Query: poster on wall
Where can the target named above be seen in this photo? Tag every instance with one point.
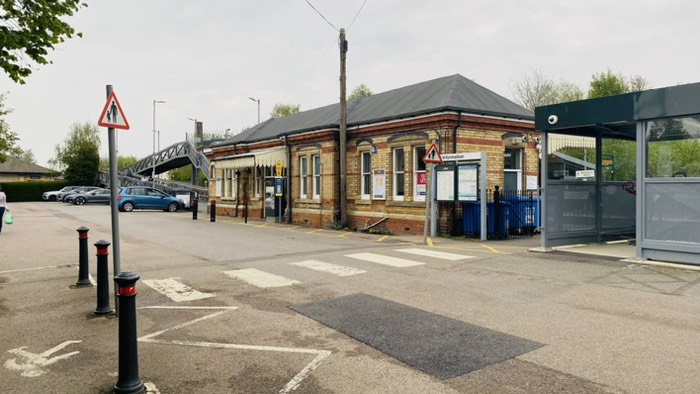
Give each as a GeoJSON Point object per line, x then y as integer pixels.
{"type": "Point", "coordinates": [379, 184]}
{"type": "Point", "coordinates": [421, 183]}
{"type": "Point", "coordinates": [445, 182]}
{"type": "Point", "coordinates": [467, 182]}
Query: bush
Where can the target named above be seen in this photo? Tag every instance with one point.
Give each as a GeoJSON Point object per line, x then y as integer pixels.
{"type": "Point", "coordinates": [29, 191]}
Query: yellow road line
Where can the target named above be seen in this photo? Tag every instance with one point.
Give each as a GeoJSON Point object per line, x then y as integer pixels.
{"type": "Point", "coordinates": [314, 231]}
{"type": "Point", "coordinates": [344, 235]}
{"type": "Point", "coordinates": [430, 241]}
{"type": "Point", "coordinates": [382, 238]}
{"type": "Point", "coordinates": [491, 249]}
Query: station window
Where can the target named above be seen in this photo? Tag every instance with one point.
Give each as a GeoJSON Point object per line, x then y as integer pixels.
{"type": "Point", "coordinates": [303, 176]}
{"type": "Point", "coordinates": [366, 176]}
{"type": "Point", "coordinates": [316, 163]}
{"type": "Point", "coordinates": [419, 174]}
{"type": "Point", "coordinates": [399, 189]}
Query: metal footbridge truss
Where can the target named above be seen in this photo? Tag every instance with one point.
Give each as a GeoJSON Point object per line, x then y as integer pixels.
{"type": "Point", "coordinates": [175, 156]}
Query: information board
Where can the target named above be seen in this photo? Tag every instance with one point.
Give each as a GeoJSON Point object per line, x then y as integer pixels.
{"type": "Point", "coordinates": [379, 184]}
{"type": "Point", "coordinates": [467, 182]}
{"type": "Point", "coordinates": [445, 182]}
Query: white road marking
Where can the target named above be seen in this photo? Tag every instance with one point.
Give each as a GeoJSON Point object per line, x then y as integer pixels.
{"type": "Point", "coordinates": [386, 260]}
{"type": "Point", "coordinates": [176, 290]}
{"type": "Point", "coordinates": [289, 387]}
{"type": "Point", "coordinates": [259, 278]}
{"type": "Point", "coordinates": [334, 269]}
{"type": "Point", "coordinates": [436, 254]}
{"type": "Point", "coordinates": [32, 364]}
{"type": "Point", "coordinates": [34, 268]}
{"type": "Point", "coordinates": [151, 388]}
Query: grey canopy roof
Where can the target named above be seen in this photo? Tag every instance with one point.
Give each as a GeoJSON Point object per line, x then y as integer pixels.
{"type": "Point", "coordinates": [451, 93]}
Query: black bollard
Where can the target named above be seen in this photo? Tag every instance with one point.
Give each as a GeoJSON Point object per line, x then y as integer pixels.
{"type": "Point", "coordinates": [128, 381]}
{"type": "Point", "coordinates": [103, 306]}
{"type": "Point", "coordinates": [195, 208]}
{"type": "Point", "coordinates": [213, 211]}
{"type": "Point", "coordinates": [83, 270]}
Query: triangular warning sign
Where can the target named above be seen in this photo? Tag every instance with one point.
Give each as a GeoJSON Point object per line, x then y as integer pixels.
{"type": "Point", "coordinates": [432, 155]}
{"type": "Point", "coordinates": [112, 114]}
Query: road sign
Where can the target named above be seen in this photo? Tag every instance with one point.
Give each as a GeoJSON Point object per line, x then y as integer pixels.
{"type": "Point", "coordinates": [432, 155]}
{"type": "Point", "coordinates": [112, 114]}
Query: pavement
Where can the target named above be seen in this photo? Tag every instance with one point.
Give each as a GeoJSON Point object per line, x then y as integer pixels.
{"type": "Point", "coordinates": [601, 324]}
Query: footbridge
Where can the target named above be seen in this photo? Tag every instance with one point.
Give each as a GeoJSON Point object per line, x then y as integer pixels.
{"type": "Point", "coordinates": [174, 156]}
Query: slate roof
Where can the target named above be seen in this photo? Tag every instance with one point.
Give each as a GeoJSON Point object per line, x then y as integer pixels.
{"type": "Point", "coordinates": [14, 165]}
{"type": "Point", "coordinates": [451, 93]}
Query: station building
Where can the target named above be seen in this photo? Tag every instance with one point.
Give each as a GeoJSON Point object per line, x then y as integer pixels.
{"type": "Point", "coordinates": [289, 169]}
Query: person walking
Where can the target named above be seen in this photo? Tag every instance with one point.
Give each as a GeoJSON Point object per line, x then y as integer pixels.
{"type": "Point", "coordinates": [3, 207]}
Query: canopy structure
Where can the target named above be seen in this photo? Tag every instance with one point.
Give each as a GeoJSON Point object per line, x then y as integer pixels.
{"type": "Point", "coordinates": [624, 167]}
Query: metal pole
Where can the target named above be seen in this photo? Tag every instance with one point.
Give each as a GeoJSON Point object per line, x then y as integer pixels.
{"type": "Point", "coordinates": [129, 381]}
{"type": "Point", "coordinates": [153, 172]}
{"type": "Point", "coordinates": [83, 270]}
{"type": "Point", "coordinates": [113, 186]}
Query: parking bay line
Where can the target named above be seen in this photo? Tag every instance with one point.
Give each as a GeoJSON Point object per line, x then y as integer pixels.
{"type": "Point", "coordinates": [289, 387]}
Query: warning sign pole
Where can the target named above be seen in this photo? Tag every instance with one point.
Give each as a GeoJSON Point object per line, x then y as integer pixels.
{"type": "Point", "coordinates": [113, 186]}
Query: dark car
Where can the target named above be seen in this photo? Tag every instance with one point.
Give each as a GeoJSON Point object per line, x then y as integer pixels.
{"type": "Point", "coordinates": [142, 197]}
{"type": "Point", "coordinates": [82, 189]}
{"type": "Point", "coordinates": [99, 196]}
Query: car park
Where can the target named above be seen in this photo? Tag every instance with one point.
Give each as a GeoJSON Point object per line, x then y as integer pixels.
{"type": "Point", "coordinates": [82, 189]}
{"type": "Point", "coordinates": [53, 195]}
{"type": "Point", "coordinates": [97, 196]}
{"type": "Point", "coordinates": [143, 197]}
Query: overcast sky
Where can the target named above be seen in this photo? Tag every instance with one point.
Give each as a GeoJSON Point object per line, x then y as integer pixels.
{"type": "Point", "coordinates": [206, 58]}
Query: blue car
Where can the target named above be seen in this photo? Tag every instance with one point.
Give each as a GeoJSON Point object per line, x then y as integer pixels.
{"type": "Point", "coordinates": [142, 197]}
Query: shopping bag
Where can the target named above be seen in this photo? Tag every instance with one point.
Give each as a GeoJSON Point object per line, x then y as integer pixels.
{"type": "Point", "coordinates": [8, 218]}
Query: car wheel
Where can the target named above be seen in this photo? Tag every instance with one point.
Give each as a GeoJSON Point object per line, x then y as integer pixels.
{"type": "Point", "coordinates": [52, 198]}
{"type": "Point", "coordinates": [128, 207]}
{"type": "Point", "coordinates": [79, 201]}
{"type": "Point", "coordinates": [172, 207]}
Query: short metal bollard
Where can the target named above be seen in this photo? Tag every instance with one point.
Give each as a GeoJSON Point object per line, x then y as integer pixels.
{"type": "Point", "coordinates": [83, 267]}
{"type": "Point", "coordinates": [195, 208]}
{"type": "Point", "coordinates": [128, 381]}
{"type": "Point", "coordinates": [213, 211]}
{"type": "Point", "coordinates": [103, 306]}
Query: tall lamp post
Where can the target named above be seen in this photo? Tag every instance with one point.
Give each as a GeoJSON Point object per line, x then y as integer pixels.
{"type": "Point", "coordinates": [258, 101]}
{"type": "Point", "coordinates": [153, 172]}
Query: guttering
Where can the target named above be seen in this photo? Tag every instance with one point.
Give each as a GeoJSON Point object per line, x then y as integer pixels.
{"type": "Point", "coordinates": [289, 178]}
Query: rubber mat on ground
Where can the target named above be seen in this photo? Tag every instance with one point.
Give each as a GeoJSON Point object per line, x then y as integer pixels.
{"type": "Point", "coordinates": [431, 343]}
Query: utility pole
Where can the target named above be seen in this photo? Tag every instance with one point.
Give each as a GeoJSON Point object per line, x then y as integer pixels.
{"type": "Point", "coordinates": [343, 132]}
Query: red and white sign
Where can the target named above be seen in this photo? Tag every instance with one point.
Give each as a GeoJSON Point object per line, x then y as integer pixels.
{"type": "Point", "coordinates": [432, 155]}
{"type": "Point", "coordinates": [112, 114]}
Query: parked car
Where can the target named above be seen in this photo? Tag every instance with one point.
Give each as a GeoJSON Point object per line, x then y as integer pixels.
{"type": "Point", "coordinates": [53, 195]}
{"type": "Point", "coordinates": [142, 197]}
{"type": "Point", "coordinates": [82, 189]}
{"type": "Point", "coordinates": [98, 196]}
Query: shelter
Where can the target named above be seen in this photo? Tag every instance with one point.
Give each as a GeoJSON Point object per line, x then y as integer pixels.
{"type": "Point", "coordinates": [624, 167]}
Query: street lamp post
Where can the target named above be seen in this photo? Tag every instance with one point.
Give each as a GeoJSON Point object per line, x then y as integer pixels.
{"type": "Point", "coordinates": [258, 101]}
{"type": "Point", "coordinates": [153, 172]}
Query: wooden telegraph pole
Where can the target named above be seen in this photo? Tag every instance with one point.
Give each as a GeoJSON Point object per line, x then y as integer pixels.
{"type": "Point", "coordinates": [343, 132]}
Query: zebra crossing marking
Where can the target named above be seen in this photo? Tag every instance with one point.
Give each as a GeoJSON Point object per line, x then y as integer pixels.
{"type": "Point", "coordinates": [176, 290]}
{"type": "Point", "coordinates": [385, 260]}
{"type": "Point", "coordinates": [436, 254]}
{"type": "Point", "coordinates": [334, 269]}
{"type": "Point", "coordinates": [259, 278]}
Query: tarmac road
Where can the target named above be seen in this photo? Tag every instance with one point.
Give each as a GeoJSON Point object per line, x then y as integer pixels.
{"type": "Point", "coordinates": [229, 307]}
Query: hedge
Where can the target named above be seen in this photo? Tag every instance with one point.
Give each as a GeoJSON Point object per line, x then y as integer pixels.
{"type": "Point", "coordinates": [29, 191]}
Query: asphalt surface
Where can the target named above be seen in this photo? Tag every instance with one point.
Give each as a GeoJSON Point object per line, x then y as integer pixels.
{"type": "Point", "coordinates": [591, 324]}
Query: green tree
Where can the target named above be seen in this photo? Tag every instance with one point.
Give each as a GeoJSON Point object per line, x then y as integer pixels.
{"type": "Point", "coordinates": [361, 90]}
{"type": "Point", "coordinates": [280, 110]}
{"type": "Point", "coordinates": [29, 29]}
{"type": "Point", "coordinates": [8, 139]}
{"type": "Point", "coordinates": [25, 155]}
{"type": "Point", "coordinates": [79, 157]}
{"type": "Point", "coordinates": [122, 162]}
{"type": "Point", "coordinates": [607, 84]}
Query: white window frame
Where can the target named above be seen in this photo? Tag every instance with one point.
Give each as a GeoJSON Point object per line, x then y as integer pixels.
{"type": "Point", "coordinates": [316, 173]}
{"type": "Point", "coordinates": [365, 176]}
{"type": "Point", "coordinates": [517, 171]}
{"type": "Point", "coordinates": [417, 161]}
{"type": "Point", "coordinates": [398, 172]}
{"type": "Point", "coordinates": [303, 176]}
